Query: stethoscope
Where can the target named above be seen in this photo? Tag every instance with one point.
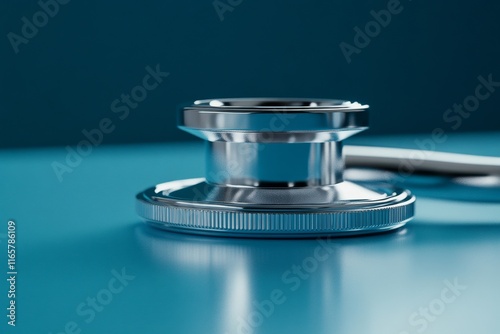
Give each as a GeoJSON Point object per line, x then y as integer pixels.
{"type": "Point", "coordinates": [277, 168]}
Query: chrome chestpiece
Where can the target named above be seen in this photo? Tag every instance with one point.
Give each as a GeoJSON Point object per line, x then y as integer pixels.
{"type": "Point", "coordinates": [274, 168]}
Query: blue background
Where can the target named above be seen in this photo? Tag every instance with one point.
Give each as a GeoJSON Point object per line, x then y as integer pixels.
{"type": "Point", "coordinates": [65, 78]}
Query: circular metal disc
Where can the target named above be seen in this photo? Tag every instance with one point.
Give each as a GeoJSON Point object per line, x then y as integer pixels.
{"type": "Point", "coordinates": [344, 208]}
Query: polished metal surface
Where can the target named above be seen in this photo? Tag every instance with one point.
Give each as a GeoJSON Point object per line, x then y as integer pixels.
{"type": "Point", "coordinates": [274, 164]}
{"type": "Point", "coordinates": [274, 168]}
{"type": "Point", "coordinates": [264, 120]}
{"type": "Point", "coordinates": [265, 212]}
{"type": "Point", "coordinates": [422, 161]}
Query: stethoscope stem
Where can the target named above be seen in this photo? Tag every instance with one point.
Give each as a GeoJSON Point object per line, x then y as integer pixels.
{"type": "Point", "coordinates": [411, 161]}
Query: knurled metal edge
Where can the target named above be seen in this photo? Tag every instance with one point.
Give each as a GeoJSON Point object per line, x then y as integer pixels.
{"type": "Point", "coordinates": [369, 219]}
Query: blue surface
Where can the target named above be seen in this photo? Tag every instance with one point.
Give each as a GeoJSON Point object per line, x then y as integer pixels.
{"type": "Point", "coordinates": [75, 236]}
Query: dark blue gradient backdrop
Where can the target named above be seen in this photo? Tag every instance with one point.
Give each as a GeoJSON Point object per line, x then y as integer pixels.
{"type": "Point", "coordinates": [77, 62]}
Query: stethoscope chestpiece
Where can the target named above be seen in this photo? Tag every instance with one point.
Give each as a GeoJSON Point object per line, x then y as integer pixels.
{"type": "Point", "coordinates": [274, 168]}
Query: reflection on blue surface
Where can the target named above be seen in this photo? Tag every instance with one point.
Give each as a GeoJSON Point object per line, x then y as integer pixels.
{"type": "Point", "coordinates": [343, 285]}
{"type": "Point", "coordinates": [72, 235]}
